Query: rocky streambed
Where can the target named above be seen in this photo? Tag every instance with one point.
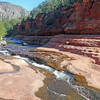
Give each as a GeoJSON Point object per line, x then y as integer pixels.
{"type": "Point", "coordinates": [45, 74]}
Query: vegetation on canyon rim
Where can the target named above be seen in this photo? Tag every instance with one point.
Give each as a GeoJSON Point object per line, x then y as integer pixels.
{"type": "Point", "coordinates": [55, 37]}
{"type": "Point", "coordinates": [51, 5]}
{"type": "Point", "coordinates": [74, 17]}
{"type": "Point", "coordinates": [45, 8]}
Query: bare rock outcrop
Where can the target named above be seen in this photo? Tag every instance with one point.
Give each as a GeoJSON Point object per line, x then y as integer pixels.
{"type": "Point", "coordinates": [9, 11]}
{"type": "Point", "coordinates": [18, 81]}
{"type": "Point", "coordinates": [81, 56]}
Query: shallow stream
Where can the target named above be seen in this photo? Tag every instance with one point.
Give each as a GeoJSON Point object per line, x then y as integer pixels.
{"type": "Point", "coordinates": [64, 81]}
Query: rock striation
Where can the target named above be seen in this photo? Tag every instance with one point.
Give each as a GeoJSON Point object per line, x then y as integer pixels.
{"type": "Point", "coordinates": [80, 57]}
{"type": "Point", "coordinates": [76, 54]}
{"type": "Point", "coordinates": [83, 17]}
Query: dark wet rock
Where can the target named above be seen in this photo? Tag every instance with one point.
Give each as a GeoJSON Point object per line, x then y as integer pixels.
{"type": "Point", "coordinates": [57, 90]}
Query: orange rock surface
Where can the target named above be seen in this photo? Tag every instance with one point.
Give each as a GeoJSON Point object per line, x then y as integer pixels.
{"type": "Point", "coordinates": [78, 54]}
{"type": "Point", "coordinates": [83, 17]}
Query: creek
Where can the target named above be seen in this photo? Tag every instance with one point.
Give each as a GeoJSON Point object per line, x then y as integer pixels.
{"type": "Point", "coordinates": [60, 75]}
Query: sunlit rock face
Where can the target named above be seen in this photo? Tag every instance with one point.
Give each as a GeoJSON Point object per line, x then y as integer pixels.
{"type": "Point", "coordinates": [9, 11]}
{"type": "Point", "coordinates": [85, 18]}
{"type": "Point", "coordinates": [82, 18]}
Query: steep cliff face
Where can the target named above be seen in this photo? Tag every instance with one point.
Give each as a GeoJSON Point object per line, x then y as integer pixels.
{"type": "Point", "coordinates": [83, 17]}
{"type": "Point", "coordinates": [9, 11]}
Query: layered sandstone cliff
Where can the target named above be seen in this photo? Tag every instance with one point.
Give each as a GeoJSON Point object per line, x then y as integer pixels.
{"type": "Point", "coordinates": [83, 17]}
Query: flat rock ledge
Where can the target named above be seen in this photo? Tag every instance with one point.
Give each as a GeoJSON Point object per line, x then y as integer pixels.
{"type": "Point", "coordinates": [18, 81]}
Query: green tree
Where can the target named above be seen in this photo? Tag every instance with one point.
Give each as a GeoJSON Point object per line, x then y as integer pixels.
{"type": "Point", "coordinates": [9, 24]}
{"type": "Point", "coordinates": [6, 25]}
{"type": "Point", "coordinates": [51, 5]}
{"type": "Point", "coordinates": [2, 29]}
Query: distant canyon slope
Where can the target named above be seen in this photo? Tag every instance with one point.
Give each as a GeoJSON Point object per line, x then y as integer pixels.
{"type": "Point", "coordinates": [10, 11]}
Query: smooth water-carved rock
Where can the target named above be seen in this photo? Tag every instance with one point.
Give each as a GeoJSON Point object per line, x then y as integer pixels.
{"type": "Point", "coordinates": [18, 81]}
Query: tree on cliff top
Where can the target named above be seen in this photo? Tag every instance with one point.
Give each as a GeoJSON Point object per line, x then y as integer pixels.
{"type": "Point", "coordinates": [51, 5]}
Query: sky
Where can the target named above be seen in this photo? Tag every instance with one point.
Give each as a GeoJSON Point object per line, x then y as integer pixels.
{"type": "Point", "coordinates": [28, 4]}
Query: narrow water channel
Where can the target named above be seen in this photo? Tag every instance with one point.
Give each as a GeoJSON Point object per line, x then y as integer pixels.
{"type": "Point", "coordinates": [67, 77]}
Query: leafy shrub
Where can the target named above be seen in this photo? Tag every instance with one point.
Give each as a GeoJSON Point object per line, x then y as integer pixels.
{"type": "Point", "coordinates": [51, 5]}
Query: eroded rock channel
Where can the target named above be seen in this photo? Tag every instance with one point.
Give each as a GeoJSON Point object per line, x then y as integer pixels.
{"type": "Point", "coordinates": [44, 74]}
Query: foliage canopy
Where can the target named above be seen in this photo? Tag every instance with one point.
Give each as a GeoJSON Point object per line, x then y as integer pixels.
{"type": "Point", "coordinates": [51, 5]}
{"type": "Point", "coordinates": [6, 25]}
